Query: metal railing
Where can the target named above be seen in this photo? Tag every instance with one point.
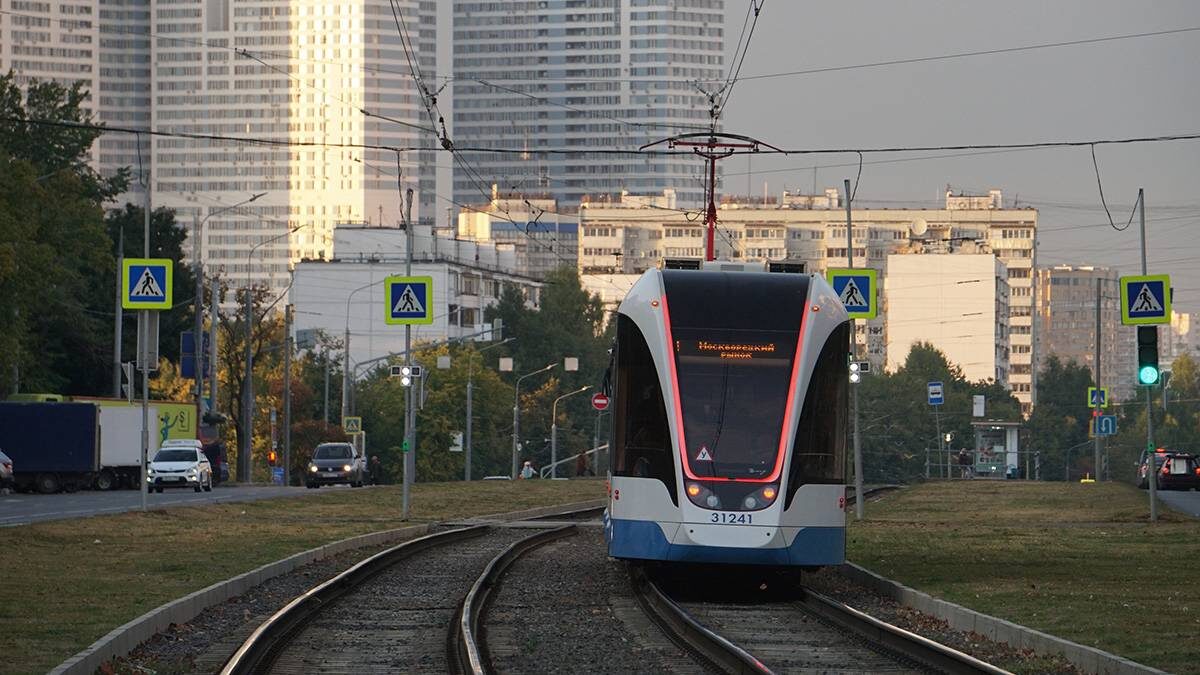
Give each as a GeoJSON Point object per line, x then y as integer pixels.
{"type": "Point", "coordinates": [998, 465]}
{"type": "Point", "coordinates": [546, 470]}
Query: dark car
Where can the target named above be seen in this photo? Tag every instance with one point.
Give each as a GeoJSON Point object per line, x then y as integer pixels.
{"type": "Point", "coordinates": [1174, 470]}
{"type": "Point", "coordinates": [334, 463]}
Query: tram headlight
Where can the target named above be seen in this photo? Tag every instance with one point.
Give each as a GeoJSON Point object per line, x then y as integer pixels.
{"type": "Point", "coordinates": [712, 501]}
{"type": "Point", "coordinates": [693, 489]}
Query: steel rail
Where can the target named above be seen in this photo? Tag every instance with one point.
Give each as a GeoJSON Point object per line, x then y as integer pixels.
{"type": "Point", "coordinates": [719, 652]}
{"type": "Point", "coordinates": [897, 640]}
{"type": "Point", "coordinates": [466, 649]}
{"type": "Point", "coordinates": [260, 649]}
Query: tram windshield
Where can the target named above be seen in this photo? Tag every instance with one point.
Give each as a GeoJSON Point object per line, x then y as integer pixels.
{"type": "Point", "coordinates": [734, 341]}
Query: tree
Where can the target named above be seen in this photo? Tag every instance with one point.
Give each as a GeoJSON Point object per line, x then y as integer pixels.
{"type": "Point", "coordinates": [1058, 426]}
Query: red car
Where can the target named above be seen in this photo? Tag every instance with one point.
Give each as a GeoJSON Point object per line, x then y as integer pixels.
{"type": "Point", "coordinates": [1174, 470]}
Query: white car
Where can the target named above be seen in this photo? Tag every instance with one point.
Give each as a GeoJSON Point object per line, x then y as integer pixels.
{"type": "Point", "coordinates": [179, 466]}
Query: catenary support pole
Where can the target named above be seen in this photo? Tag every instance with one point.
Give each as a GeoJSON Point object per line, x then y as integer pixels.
{"type": "Point", "coordinates": [198, 319]}
{"type": "Point", "coordinates": [145, 342]}
{"type": "Point", "coordinates": [858, 463]}
{"type": "Point", "coordinates": [287, 395]}
{"type": "Point", "coordinates": [119, 317]}
{"type": "Point", "coordinates": [410, 432]}
{"type": "Point", "coordinates": [1151, 474]}
{"type": "Point", "coordinates": [244, 461]}
{"type": "Point", "coordinates": [1096, 357]}
{"type": "Point", "coordinates": [214, 319]}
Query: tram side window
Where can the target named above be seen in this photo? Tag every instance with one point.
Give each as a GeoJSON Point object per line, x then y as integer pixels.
{"type": "Point", "coordinates": [819, 451]}
{"type": "Point", "coordinates": [642, 438]}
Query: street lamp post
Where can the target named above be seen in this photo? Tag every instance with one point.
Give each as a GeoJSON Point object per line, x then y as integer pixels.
{"type": "Point", "coordinates": [517, 415]}
{"type": "Point", "coordinates": [554, 430]}
{"type": "Point", "coordinates": [197, 250]}
{"type": "Point", "coordinates": [346, 375]}
{"type": "Point", "coordinates": [244, 465]}
{"type": "Point", "coordinates": [470, 400]}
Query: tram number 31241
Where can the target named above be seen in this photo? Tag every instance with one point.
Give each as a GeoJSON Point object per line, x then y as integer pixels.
{"type": "Point", "coordinates": [733, 518]}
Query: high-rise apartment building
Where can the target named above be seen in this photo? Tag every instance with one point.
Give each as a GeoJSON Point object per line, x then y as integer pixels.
{"type": "Point", "coordinates": [581, 75]}
{"type": "Point", "coordinates": [1069, 299]}
{"type": "Point", "coordinates": [306, 83]}
{"type": "Point", "coordinates": [632, 234]}
{"type": "Point", "coordinates": [298, 74]}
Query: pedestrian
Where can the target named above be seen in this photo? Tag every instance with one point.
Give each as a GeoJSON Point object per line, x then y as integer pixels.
{"type": "Point", "coordinates": [527, 471]}
{"type": "Point", "coordinates": [376, 470]}
{"type": "Point", "coordinates": [964, 463]}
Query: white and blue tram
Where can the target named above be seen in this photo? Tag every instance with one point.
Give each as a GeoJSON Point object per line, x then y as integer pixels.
{"type": "Point", "coordinates": [729, 411]}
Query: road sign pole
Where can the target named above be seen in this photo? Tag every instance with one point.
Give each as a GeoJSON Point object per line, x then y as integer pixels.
{"type": "Point", "coordinates": [144, 347]}
{"type": "Point", "coordinates": [410, 436]}
{"type": "Point", "coordinates": [120, 317]}
{"type": "Point", "coordinates": [1099, 386]}
{"type": "Point", "coordinates": [287, 396]}
{"type": "Point", "coordinates": [858, 462]}
{"type": "Point", "coordinates": [1151, 478]}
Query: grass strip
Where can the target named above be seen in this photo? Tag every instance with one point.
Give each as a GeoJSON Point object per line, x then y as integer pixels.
{"type": "Point", "coordinates": [1081, 562]}
{"type": "Point", "coordinates": [69, 582]}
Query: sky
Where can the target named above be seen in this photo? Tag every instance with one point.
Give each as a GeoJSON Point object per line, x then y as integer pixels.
{"type": "Point", "coordinates": [1117, 89]}
{"type": "Point", "coordinates": [1108, 90]}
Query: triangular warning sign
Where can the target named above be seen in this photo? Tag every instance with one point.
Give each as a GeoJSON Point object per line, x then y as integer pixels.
{"type": "Point", "coordinates": [146, 286]}
{"type": "Point", "coordinates": [852, 296]}
{"type": "Point", "coordinates": [408, 303]}
{"type": "Point", "coordinates": [1146, 301]}
{"type": "Point", "coordinates": [703, 455]}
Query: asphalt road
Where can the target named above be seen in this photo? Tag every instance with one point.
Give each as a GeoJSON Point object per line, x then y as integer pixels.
{"type": "Point", "coordinates": [23, 508]}
{"type": "Point", "coordinates": [1186, 502]}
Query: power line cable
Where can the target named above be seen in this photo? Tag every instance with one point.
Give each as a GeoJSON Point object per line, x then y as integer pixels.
{"type": "Point", "coordinates": [982, 52]}
{"type": "Point", "coordinates": [1100, 186]}
{"type": "Point", "coordinates": [732, 80]}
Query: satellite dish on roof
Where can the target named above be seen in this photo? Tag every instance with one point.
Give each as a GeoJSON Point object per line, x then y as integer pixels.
{"type": "Point", "coordinates": [920, 227]}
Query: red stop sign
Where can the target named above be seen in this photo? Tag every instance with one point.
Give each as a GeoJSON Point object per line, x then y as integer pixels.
{"type": "Point", "coordinates": [599, 401]}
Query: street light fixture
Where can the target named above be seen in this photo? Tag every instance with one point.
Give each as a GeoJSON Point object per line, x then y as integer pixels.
{"type": "Point", "coordinates": [517, 415]}
{"type": "Point", "coordinates": [470, 401]}
{"type": "Point", "coordinates": [554, 430]}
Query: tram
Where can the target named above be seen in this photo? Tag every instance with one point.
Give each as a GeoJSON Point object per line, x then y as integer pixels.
{"type": "Point", "coordinates": [729, 388]}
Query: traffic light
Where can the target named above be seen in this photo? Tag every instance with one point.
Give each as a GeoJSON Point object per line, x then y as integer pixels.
{"type": "Point", "coordinates": [272, 457]}
{"type": "Point", "coordinates": [1147, 351]}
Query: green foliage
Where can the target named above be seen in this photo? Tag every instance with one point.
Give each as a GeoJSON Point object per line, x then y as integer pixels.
{"type": "Point", "coordinates": [896, 424]}
{"type": "Point", "coordinates": [1058, 427]}
{"type": "Point", "coordinates": [1177, 426]}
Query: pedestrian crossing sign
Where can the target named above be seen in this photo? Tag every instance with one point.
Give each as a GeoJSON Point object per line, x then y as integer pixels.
{"type": "Point", "coordinates": [1146, 299]}
{"type": "Point", "coordinates": [146, 283]}
{"type": "Point", "coordinates": [409, 300]}
{"type": "Point", "coordinates": [856, 288]}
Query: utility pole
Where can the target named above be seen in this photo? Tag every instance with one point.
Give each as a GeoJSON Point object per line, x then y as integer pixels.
{"type": "Point", "coordinates": [1151, 477]}
{"type": "Point", "coordinates": [198, 326]}
{"type": "Point", "coordinates": [214, 318]}
{"type": "Point", "coordinates": [410, 435]}
{"type": "Point", "coordinates": [325, 358]}
{"type": "Point", "coordinates": [287, 394]}
{"type": "Point", "coordinates": [144, 342]}
{"type": "Point", "coordinates": [858, 463]}
{"type": "Point", "coordinates": [1097, 410]}
{"type": "Point", "coordinates": [346, 372]}
{"type": "Point", "coordinates": [120, 316]}
{"type": "Point", "coordinates": [244, 464]}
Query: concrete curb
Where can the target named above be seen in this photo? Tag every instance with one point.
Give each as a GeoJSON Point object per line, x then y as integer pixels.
{"type": "Point", "coordinates": [1088, 659]}
{"type": "Point", "coordinates": [122, 640]}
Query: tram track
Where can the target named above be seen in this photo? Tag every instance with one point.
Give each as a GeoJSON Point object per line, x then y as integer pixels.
{"type": "Point", "coordinates": [378, 615]}
{"type": "Point", "coordinates": [805, 633]}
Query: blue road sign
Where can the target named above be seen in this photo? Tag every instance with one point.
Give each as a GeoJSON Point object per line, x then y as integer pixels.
{"type": "Point", "coordinates": [409, 300]}
{"type": "Point", "coordinates": [146, 283]}
{"type": "Point", "coordinates": [856, 288]}
{"type": "Point", "coordinates": [1146, 299]}
{"type": "Point", "coordinates": [187, 355]}
{"type": "Point", "coordinates": [936, 393]}
{"type": "Point", "coordinates": [1097, 397]}
{"type": "Point", "coordinates": [1106, 425]}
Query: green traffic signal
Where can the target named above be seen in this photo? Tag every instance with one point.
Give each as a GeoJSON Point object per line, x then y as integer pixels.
{"type": "Point", "coordinates": [1148, 375]}
{"type": "Point", "coordinates": [1147, 352]}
